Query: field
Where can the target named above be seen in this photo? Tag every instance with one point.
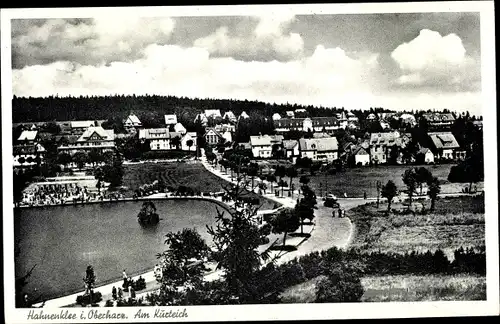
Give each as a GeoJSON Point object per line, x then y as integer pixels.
{"type": "Point", "coordinates": [402, 288]}
{"type": "Point", "coordinates": [456, 222]}
{"type": "Point", "coordinates": [356, 181]}
{"type": "Point", "coordinates": [424, 288]}
{"type": "Point", "coordinates": [191, 174]}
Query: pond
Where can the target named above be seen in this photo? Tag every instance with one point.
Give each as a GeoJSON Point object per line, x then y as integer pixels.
{"type": "Point", "coordinates": [61, 241]}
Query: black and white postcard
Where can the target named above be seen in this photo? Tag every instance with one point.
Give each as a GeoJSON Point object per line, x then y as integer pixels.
{"type": "Point", "coordinates": [258, 162]}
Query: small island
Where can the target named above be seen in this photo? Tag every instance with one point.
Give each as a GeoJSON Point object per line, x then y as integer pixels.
{"type": "Point", "coordinates": [147, 215]}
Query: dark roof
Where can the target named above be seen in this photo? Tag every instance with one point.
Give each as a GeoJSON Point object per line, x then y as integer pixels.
{"type": "Point", "coordinates": [444, 140]}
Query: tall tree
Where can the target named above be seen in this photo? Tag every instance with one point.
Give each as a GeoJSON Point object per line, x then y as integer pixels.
{"type": "Point", "coordinates": [292, 173]}
{"type": "Point", "coordinates": [423, 175]}
{"type": "Point", "coordinates": [410, 180]}
{"type": "Point", "coordinates": [305, 206]}
{"type": "Point", "coordinates": [253, 171]}
{"type": "Point", "coordinates": [287, 220]}
{"type": "Point", "coordinates": [433, 191]}
{"type": "Point", "coordinates": [89, 280]}
{"type": "Point", "coordinates": [176, 141]}
{"type": "Point", "coordinates": [272, 179]}
{"type": "Point", "coordinates": [148, 215]}
{"type": "Point", "coordinates": [389, 191]}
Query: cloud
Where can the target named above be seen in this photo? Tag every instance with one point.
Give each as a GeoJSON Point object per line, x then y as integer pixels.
{"type": "Point", "coordinates": [87, 41]}
{"type": "Point", "coordinates": [268, 40]}
{"type": "Point", "coordinates": [329, 74]}
{"type": "Point", "coordinates": [432, 60]}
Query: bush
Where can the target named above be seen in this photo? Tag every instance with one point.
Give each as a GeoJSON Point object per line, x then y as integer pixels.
{"type": "Point", "coordinates": [84, 300]}
{"type": "Point", "coordinates": [340, 286]}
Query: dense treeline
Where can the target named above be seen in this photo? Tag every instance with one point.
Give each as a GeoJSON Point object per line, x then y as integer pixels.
{"type": "Point", "coordinates": [148, 108]}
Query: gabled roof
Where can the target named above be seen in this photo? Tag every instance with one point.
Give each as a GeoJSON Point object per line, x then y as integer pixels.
{"type": "Point", "coordinates": [212, 130]}
{"type": "Point", "coordinates": [444, 140]}
{"type": "Point", "coordinates": [171, 119]}
{"type": "Point", "coordinates": [276, 116]}
{"type": "Point", "coordinates": [320, 135]}
{"type": "Point", "coordinates": [260, 140]}
{"type": "Point", "coordinates": [104, 134]}
{"type": "Point", "coordinates": [290, 113]}
{"type": "Point", "coordinates": [212, 113]}
{"type": "Point", "coordinates": [229, 115]}
{"type": "Point", "coordinates": [82, 123]}
{"type": "Point", "coordinates": [387, 139]}
{"type": "Point", "coordinates": [133, 119]}
{"type": "Point", "coordinates": [179, 128]}
{"type": "Point", "coordinates": [156, 133]}
{"type": "Point", "coordinates": [244, 115]}
{"type": "Point", "coordinates": [319, 144]}
{"type": "Point", "coordinates": [424, 150]}
{"type": "Point", "coordinates": [28, 135]}
{"type": "Point", "coordinates": [439, 117]}
{"type": "Point", "coordinates": [359, 150]}
{"type": "Point", "coordinates": [290, 144]}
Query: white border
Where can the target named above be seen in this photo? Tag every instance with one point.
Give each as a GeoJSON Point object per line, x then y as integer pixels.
{"type": "Point", "coordinates": [284, 311]}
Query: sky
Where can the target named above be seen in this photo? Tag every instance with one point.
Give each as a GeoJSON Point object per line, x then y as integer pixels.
{"type": "Point", "coordinates": [357, 61]}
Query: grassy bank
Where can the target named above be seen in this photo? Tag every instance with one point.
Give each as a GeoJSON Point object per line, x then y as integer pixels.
{"type": "Point", "coordinates": [424, 288]}
{"type": "Point", "coordinates": [456, 222]}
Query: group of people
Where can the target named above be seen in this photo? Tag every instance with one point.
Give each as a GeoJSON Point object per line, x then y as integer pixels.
{"type": "Point", "coordinates": [54, 194]}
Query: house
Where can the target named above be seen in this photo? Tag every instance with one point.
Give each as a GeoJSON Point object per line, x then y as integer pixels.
{"type": "Point", "coordinates": [262, 145]}
{"type": "Point", "coordinates": [79, 126]}
{"type": "Point", "coordinates": [228, 136]}
{"type": "Point", "coordinates": [213, 137]}
{"type": "Point", "coordinates": [229, 116]}
{"type": "Point", "coordinates": [319, 149]}
{"type": "Point", "coordinates": [221, 128]}
{"type": "Point", "coordinates": [93, 138]}
{"type": "Point", "coordinates": [361, 156]}
{"type": "Point", "coordinates": [28, 137]}
{"type": "Point", "coordinates": [351, 117]}
{"type": "Point", "coordinates": [290, 114]}
{"type": "Point", "coordinates": [385, 125]}
{"type": "Point", "coordinates": [291, 148]}
{"type": "Point", "coordinates": [408, 119]}
{"type": "Point", "coordinates": [202, 119]}
{"type": "Point", "coordinates": [428, 156]}
{"type": "Point", "coordinates": [276, 116]}
{"type": "Point", "coordinates": [313, 124]}
{"type": "Point", "coordinates": [159, 138]}
{"type": "Point", "coordinates": [439, 120]}
{"type": "Point", "coordinates": [132, 121]}
{"type": "Point", "coordinates": [26, 155]}
{"type": "Point", "coordinates": [446, 146]}
{"type": "Point", "coordinates": [371, 117]}
{"type": "Point", "coordinates": [320, 135]}
{"type": "Point", "coordinates": [244, 115]}
{"type": "Point", "coordinates": [213, 113]}
{"type": "Point", "coordinates": [185, 140]}
{"type": "Point", "coordinates": [170, 119]}
{"type": "Point", "coordinates": [179, 128]}
{"type": "Point", "coordinates": [381, 145]}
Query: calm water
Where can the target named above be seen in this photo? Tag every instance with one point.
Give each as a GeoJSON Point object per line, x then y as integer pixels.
{"type": "Point", "coordinates": [61, 241]}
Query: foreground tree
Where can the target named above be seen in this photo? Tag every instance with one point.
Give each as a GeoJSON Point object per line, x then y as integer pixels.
{"type": "Point", "coordinates": [236, 238]}
{"type": "Point", "coordinates": [433, 191]}
{"type": "Point", "coordinates": [291, 172]}
{"type": "Point", "coordinates": [305, 206]}
{"type": "Point", "coordinates": [148, 215]}
{"type": "Point", "coordinates": [342, 284]}
{"type": "Point", "coordinates": [253, 171]}
{"type": "Point", "coordinates": [389, 191]}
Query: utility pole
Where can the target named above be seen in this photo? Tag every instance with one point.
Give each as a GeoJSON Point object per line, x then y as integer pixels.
{"type": "Point", "coordinates": [378, 193]}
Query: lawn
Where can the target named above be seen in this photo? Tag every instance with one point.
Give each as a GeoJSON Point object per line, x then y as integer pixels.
{"type": "Point", "coordinates": [356, 181]}
{"type": "Point", "coordinates": [456, 222]}
{"type": "Point", "coordinates": [189, 173]}
{"type": "Point", "coordinates": [424, 288]}
{"type": "Point", "coordinates": [402, 288]}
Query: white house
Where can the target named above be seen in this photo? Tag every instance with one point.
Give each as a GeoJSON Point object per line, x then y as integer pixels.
{"type": "Point", "coordinates": [351, 117]}
{"type": "Point", "coordinates": [408, 119]}
{"type": "Point", "coordinates": [213, 137]}
{"type": "Point", "coordinates": [446, 146]}
{"type": "Point", "coordinates": [290, 114]}
{"type": "Point", "coordinates": [276, 116]}
{"type": "Point", "coordinates": [229, 116]}
{"type": "Point", "coordinates": [132, 121]}
{"type": "Point", "coordinates": [159, 138]}
{"type": "Point", "coordinates": [221, 128]}
{"type": "Point", "coordinates": [319, 149]}
{"type": "Point", "coordinates": [244, 115]}
{"type": "Point", "coordinates": [361, 156]}
{"type": "Point", "coordinates": [428, 155]}
{"type": "Point", "coordinates": [26, 155]}
{"type": "Point", "coordinates": [371, 117]}
{"type": "Point", "coordinates": [202, 118]}
{"type": "Point", "coordinates": [228, 136]}
{"type": "Point", "coordinates": [213, 113]}
{"type": "Point", "coordinates": [170, 119]}
{"type": "Point", "coordinates": [261, 146]}
{"type": "Point", "coordinates": [191, 136]}
{"type": "Point", "coordinates": [28, 137]}
{"type": "Point", "coordinates": [179, 128]}
{"type": "Point", "coordinates": [94, 138]}
{"type": "Point", "coordinates": [291, 148]}
{"type": "Point", "coordinates": [79, 126]}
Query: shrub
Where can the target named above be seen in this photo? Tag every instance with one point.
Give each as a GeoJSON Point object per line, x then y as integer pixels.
{"type": "Point", "coordinates": [84, 300]}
